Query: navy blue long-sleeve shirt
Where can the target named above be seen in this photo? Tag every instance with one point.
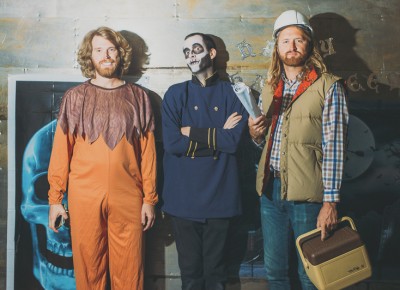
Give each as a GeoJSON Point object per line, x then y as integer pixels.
{"type": "Point", "coordinates": [201, 171]}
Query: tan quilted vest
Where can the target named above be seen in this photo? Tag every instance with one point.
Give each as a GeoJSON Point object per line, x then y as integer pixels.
{"type": "Point", "coordinates": [301, 149]}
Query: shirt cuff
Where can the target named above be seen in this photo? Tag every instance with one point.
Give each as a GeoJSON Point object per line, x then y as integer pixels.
{"type": "Point", "coordinates": [204, 135]}
{"type": "Point", "coordinates": [197, 149]}
{"type": "Point", "coordinates": [259, 145]}
{"type": "Point", "coordinates": [151, 199]}
{"type": "Point", "coordinates": [55, 197]}
{"type": "Point", "coordinates": [331, 195]}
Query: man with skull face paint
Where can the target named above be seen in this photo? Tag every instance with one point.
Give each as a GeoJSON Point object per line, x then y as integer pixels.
{"type": "Point", "coordinates": [104, 150]}
{"type": "Point", "coordinates": [203, 122]}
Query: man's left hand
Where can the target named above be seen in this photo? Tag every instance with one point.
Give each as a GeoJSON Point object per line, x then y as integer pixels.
{"type": "Point", "coordinates": [148, 216]}
{"type": "Point", "coordinates": [327, 219]}
{"type": "Point", "coordinates": [232, 121]}
{"type": "Point", "coordinates": [185, 131]}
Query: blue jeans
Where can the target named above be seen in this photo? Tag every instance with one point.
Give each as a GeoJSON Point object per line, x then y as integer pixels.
{"type": "Point", "coordinates": [278, 219]}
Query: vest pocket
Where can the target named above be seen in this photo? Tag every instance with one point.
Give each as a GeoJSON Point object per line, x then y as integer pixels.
{"type": "Point", "coordinates": [304, 177]}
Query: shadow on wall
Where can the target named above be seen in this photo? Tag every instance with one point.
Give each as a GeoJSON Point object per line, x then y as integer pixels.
{"type": "Point", "coordinates": [222, 58]}
{"type": "Point", "coordinates": [337, 41]}
{"type": "Point", "coordinates": [140, 54]}
{"type": "Point", "coordinates": [340, 57]}
{"type": "Point", "coordinates": [370, 194]}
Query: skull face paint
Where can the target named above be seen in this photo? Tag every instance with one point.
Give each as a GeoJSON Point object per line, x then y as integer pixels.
{"type": "Point", "coordinates": [52, 252]}
{"type": "Point", "coordinates": [196, 54]}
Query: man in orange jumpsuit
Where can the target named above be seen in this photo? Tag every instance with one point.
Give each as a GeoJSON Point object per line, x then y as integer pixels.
{"type": "Point", "coordinates": [104, 150]}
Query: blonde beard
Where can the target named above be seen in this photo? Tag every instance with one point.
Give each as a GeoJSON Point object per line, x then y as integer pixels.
{"type": "Point", "coordinates": [108, 72]}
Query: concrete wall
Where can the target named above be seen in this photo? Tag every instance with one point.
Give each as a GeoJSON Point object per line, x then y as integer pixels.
{"type": "Point", "coordinates": [359, 39]}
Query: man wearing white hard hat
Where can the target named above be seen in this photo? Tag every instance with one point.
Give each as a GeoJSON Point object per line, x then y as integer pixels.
{"type": "Point", "coordinates": [303, 135]}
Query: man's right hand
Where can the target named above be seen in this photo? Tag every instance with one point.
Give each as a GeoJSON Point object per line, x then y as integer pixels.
{"type": "Point", "coordinates": [257, 128]}
{"type": "Point", "coordinates": [55, 211]}
{"type": "Point", "coordinates": [232, 121]}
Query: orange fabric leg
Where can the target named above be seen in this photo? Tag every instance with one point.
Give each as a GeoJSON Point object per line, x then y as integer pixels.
{"type": "Point", "coordinates": [125, 241]}
{"type": "Point", "coordinates": [111, 238]}
{"type": "Point", "coordinates": [125, 231]}
{"type": "Point", "coordinates": [89, 241]}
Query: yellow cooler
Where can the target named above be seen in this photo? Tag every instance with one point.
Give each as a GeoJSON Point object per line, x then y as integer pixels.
{"type": "Point", "coordinates": [339, 261]}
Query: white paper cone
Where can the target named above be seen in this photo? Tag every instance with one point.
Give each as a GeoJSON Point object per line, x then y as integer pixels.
{"type": "Point", "coordinates": [244, 94]}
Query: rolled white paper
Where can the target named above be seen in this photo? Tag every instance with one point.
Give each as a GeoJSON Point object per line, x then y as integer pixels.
{"type": "Point", "coordinates": [246, 98]}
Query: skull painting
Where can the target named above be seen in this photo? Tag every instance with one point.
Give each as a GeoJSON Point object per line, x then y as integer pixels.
{"type": "Point", "coordinates": [52, 252]}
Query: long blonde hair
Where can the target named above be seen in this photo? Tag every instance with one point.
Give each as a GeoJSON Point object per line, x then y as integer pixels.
{"type": "Point", "coordinates": [85, 51]}
{"type": "Point", "coordinates": [314, 60]}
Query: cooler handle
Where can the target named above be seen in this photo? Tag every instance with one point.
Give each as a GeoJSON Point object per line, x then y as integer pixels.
{"type": "Point", "coordinates": [303, 259]}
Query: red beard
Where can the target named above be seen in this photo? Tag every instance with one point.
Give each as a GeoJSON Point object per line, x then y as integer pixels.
{"type": "Point", "coordinates": [294, 60]}
{"type": "Point", "coordinates": [107, 72]}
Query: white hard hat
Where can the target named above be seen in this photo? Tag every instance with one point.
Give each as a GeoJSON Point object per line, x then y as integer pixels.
{"type": "Point", "coordinates": [288, 18]}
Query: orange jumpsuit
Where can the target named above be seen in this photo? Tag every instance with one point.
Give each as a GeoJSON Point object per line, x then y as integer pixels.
{"type": "Point", "coordinates": [104, 150]}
